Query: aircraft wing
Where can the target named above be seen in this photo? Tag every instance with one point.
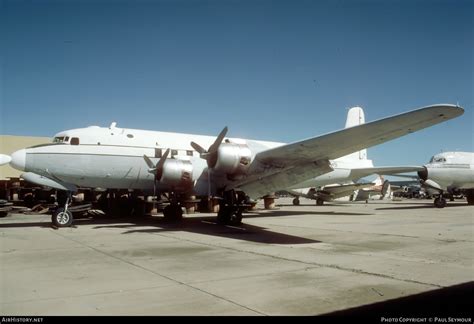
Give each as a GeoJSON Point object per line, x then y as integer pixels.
{"type": "Point", "coordinates": [358, 173]}
{"type": "Point", "coordinates": [289, 164]}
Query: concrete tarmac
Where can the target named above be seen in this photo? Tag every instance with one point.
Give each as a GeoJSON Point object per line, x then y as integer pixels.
{"type": "Point", "coordinates": [293, 260]}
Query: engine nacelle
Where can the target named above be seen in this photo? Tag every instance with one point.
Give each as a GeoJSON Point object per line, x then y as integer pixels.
{"type": "Point", "coordinates": [177, 173]}
{"type": "Point", "coordinates": [233, 159]}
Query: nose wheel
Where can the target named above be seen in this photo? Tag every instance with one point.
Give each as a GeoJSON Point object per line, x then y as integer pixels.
{"type": "Point", "coordinates": [62, 217]}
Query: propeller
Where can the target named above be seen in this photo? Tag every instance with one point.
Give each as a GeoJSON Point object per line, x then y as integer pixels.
{"type": "Point", "coordinates": [210, 155]}
{"type": "Point", "coordinates": [156, 169]}
{"type": "Point", "coordinates": [5, 159]}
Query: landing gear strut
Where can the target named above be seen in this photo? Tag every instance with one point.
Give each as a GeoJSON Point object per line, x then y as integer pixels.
{"type": "Point", "coordinates": [173, 211]}
{"type": "Point", "coordinates": [62, 217]}
{"type": "Point", "coordinates": [231, 207]}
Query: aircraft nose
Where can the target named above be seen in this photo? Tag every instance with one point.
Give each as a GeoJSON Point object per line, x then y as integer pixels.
{"type": "Point", "coordinates": [19, 160]}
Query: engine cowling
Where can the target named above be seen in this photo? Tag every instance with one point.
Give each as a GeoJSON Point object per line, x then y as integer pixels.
{"type": "Point", "coordinates": [177, 173]}
{"type": "Point", "coordinates": [423, 175]}
{"type": "Point", "coordinates": [233, 159]}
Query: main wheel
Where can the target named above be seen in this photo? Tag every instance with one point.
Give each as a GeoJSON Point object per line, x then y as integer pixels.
{"type": "Point", "coordinates": [236, 217]}
{"type": "Point", "coordinates": [319, 202]}
{"type": "Point", "coordinates": [224, 215]}
{"type": "Point", "coordinates": [440, 202]}
{"type": "Point", "coordinates": [62, 218]}
{"type": "Point", "coordinates": [173, 213]}
{"type": "Point", "coordinates": [296, 201]}
{"type": "Point", "coordinates": [470, 197]}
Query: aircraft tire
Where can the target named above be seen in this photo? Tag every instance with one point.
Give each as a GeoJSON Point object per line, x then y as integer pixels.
{"type": "Point", "coordinates": [173, 213]}
{"type": "Point", "coordinates": [470, 197]}
{"type": "Point", "coordinates": [61, 218]}
{"type": "Point", "coordinates": [319, 202]}
{"type": "Point", "coordinates": [440, 202]}
{"type": "Point", "coordinates": [224, 215]}
{"type": "Point", "coordinates": [296, 202]}
{"type": "Point", "coordinates": [470, 200]}
{"type": "Point", "coordinates": [236, 218]}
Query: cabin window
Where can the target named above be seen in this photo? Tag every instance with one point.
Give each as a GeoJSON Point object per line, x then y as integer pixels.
{"type": "Point", "coordinates": [130, 135]}
{"type": "Point", "coordinates": [174, 152]}
{"type": "Point", "coordinates": [189, 153]}
{"type": "Point", "coordinates": [66, 139]}
{"type": "Point", "coordinates": [75, 141]}
{"type": "Point", "coordinates": [158, 153]}
{"type": "Point", "coordinates": [58, 140]}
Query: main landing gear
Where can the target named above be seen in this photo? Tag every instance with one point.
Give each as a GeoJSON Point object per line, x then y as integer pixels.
{"type": "Point", "coordinates": [296, 201]}
{"type": "Point", "coordinates": [173, 212]}
{"type": "Point", "coordinates": [231, 207]}
{"type": "Point", "coordinates": [62, 217]}
{"type": "Point", "coordinates": [439, 201]}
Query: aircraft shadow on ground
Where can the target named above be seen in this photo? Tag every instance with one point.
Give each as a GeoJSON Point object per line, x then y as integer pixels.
{"type": "Point", "coordinates": [424, 206]}
{"type": "Point", "coordinates": [282, 213]}
{"type": "Point", "coordinates": [454, 301]}
{"type": "Point", "coordinates": [208, 226]}
{"type": "Point", "coordinates": [205, 225]}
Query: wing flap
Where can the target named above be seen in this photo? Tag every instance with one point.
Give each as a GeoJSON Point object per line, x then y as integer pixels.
{"type": "Point", "coordinates": [259, 185]}
{"type": "Point", "coordinates": [358, 173]}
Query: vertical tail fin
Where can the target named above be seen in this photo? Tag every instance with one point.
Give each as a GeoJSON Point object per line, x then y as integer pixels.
{"type": "Point", "coordinates": [355, 117]}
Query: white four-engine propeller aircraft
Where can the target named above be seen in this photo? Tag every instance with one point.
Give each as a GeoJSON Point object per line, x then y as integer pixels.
{"type": "Point", "coordinates": [230, 168]}
{"type": "Point", "coordinates": [449, 172]}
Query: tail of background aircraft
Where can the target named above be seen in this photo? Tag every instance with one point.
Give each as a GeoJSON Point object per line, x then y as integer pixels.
{"type": "Point", "coordinates": [355, 117]}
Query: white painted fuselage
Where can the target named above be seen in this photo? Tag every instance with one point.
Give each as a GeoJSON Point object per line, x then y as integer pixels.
{"type": "Point", "coordinates": [451, 170]}
{"type": "Point", "coordinates": [112, 158]}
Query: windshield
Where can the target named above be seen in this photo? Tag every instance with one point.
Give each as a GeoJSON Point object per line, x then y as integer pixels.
{"type": "Point", "coordinates": [61, 139]}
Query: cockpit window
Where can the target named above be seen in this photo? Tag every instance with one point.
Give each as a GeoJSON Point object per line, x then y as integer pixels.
{"type": "Point", "coordinates": [438, 159]}
{"type": "Point", "coordinates": [61, 139]}
{"type": "Point", "coordinates": [75, 141]}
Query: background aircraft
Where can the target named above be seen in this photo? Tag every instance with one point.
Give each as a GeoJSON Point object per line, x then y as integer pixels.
{"type": "Point", "coordinates": [233, 169]}
{"type": "Point", "coordinates": [449, 172]}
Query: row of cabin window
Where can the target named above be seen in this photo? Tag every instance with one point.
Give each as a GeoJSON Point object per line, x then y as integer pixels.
{"type": "Point", "coordinates": [159, 152]}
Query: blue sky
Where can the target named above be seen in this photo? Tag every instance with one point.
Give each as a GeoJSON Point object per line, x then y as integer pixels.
{"type": "Point", "coordinates": [270, 70]}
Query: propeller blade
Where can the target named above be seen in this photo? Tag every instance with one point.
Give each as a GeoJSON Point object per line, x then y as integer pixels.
{"type": "Point", "coordinates": [149, 162]}
{"type": "Point", "coordinates": [213, 148]}
{"type": "Point", "coordinates": [5, 159]}
{"type": "Point", "coordinates": [198, 148]}
{"type": "Point", "coordinates": [163, 159]}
